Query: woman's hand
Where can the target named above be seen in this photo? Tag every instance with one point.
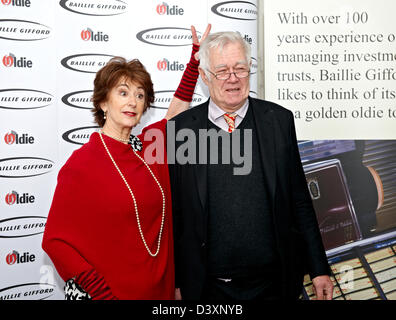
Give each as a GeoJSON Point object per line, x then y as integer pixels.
{"type": "Point", "coordinates": [183, 95]}
{"type": "Point", "coordinates": [195, 37]}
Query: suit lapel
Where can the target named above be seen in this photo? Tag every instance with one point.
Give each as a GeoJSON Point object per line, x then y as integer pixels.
{"type": "Point", "coordinates": [264, 121]}
{"type": "Point", "coordinates": [200, 121]}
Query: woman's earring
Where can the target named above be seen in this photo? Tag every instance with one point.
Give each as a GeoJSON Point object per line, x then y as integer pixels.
{"type": "Point", "coordinates": [104, 117]}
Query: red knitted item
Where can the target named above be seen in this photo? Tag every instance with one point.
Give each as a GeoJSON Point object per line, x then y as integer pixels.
{"type": "Point", "coordinates": [95, 285]}
{"type": "Point", "coordinates": [189, 79]}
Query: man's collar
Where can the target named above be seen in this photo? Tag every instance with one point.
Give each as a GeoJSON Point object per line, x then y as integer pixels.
{"type": "Point", "coordinates": [216, 112]}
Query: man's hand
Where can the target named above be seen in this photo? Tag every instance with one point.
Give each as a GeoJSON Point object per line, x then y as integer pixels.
{"type": "Point", "coordinates": [178, 294]}
{"type": "Point", "coordinates": [323, 287]}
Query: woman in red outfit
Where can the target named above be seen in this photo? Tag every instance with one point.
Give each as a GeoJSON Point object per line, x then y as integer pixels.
{"type": "Point", "coordinates": [109, 231]}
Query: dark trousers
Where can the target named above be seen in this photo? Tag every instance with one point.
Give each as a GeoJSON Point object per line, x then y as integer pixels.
{"type": "Point", "coordinates": [254, 288]}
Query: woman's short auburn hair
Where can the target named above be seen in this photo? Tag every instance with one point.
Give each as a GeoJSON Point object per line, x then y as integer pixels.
{"type": "Point", "coordinates": [109, 76]}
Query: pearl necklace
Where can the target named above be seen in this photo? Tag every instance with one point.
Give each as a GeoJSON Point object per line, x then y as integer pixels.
{"type": "Point", "coordinates": [134, 200]}
{"type": "Point", "coordinates": [115, 138]}
{"type": "Point", "coordinates": [133, 141]}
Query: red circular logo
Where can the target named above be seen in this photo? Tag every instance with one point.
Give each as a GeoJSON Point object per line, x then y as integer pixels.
{"type": "Point", "coordinates": [8, 61]}
{"type": "Point", "coordinates": [9, 138]}
{"type": "Point", "coordinates": [6, 2]}
{"type": "Point", "coordinates": [162, 65]}
{"type": "Point", "coordinates": [161, 8]}
{"type": "Point", "coordinates": [10, 198]}
{"type": "Point", "coordinates": [11, 258]}
{"type": "Point", "coordinates": [85, 35]}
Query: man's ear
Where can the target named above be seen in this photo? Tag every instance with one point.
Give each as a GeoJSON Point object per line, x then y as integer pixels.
{"type": "Point", "coordinates": [203, 76]}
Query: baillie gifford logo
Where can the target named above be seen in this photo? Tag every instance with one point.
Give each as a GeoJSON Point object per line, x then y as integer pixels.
{"type": "Point", "coordinates": [239, 10]}
{"type": "Point", "coordinates": [165, 65]}
{"type": "Point", "coordinates": [23, 167]}
{"type": "Point", "coordinates": [21, 227]}
{"type": "Point", "coordinates": [90, 35]}
{"type": "Point", "coordinates": [79, 99]}
{"type": "Point", "coordinates": [165, 9]}
{"type": "Point", "coordinates": [80, 135]}
{"type": "Point", "coordinates": [87, 63]}
{"type": "Point", "coordinates": [167, 36]}
{"type": "Point", "coordinates": [12, 61]}
{"type": "Point", "coordinates": [163, 99]}
{"type": "Point", "coordinates": [24, 99]}
{"type": "Point", "coordinates": [95, 8]}
{"type": "Point", "coordinates": [23, 30]}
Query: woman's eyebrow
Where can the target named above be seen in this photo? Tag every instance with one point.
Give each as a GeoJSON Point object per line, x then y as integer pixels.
{"type": "Point", "coordinates": [123, 85]}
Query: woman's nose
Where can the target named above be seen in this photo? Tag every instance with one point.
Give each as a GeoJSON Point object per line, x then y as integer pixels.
{"type": "Point", "coordinates": [132, 101]}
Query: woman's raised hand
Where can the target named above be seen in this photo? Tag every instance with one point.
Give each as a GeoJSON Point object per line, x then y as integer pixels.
{"type": "Point", "coordinates": [195, 36]}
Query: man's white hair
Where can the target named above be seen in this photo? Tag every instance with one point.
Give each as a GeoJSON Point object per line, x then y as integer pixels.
{"type": "Point", "coordinates": [219, 40]}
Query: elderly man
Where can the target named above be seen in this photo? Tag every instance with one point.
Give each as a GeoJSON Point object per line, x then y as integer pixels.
{"type": "Point", "coordinates": [242, 236]}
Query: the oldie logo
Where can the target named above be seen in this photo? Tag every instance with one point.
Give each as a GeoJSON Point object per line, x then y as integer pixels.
{"type": "Point", "coordinates": [95, 8]}
{"type": "Point", "coordinates": [90, 35]}
{"type": "Point", "coordinates": [240, 10]}
{"type": "Point", "coordinates": [16, 3]}
{"type": "Point", "coordinates": [79, 135]}
{"type": "Point", "coordinates": [27, 291]}
{"type": "Point", "coordinates": [79, 99]}
{"type": "Point", "coordinates": [23, 30]}
{"type": "Point", "coordinates": [14, 138]}
{"type": "Point", "coordinates": [166, 65]}
{"type": "Point", "coordinates": [10, 137]}
{"type": "Point", "coordinates": [168, 36]}
{"type": "Point", "coordinates": [14, 197]}
{"type": "Point", "coordinates": [165, 9]}
{"type": "Point", "coordinates": [163, 99]}
{"type": "Point", "coordinates": [20, 227]}
{"type": "Point", "coordinates": [87, 63]}
{"type": "Point", "coordinates": [23, 99]}
{"type": "Point", "coordinates": [11, 60]}
{"type": "Point", "coordinates": [16, 258]}
{"type": "Point", "coordinates": [23, 167]}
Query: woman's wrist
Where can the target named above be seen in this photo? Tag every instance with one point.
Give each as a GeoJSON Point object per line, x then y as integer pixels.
{"type": "Point", "coordinates": [189, 79]}
{"type": "Point", "coordinates": [95, 285]}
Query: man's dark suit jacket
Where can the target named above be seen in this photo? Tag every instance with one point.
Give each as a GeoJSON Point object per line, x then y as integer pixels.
{"type": "Point", "coordinates": [297, 234]}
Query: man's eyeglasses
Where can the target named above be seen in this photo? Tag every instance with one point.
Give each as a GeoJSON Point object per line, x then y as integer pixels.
{"type": "Point", "coordinates": [240, 74]}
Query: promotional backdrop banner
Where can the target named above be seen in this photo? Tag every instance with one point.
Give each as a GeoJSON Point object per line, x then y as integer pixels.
{"type": "Point", "coordinates": [49, 53]}
{"type": "Point", "coordinates": [332, 63]}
